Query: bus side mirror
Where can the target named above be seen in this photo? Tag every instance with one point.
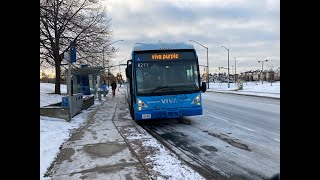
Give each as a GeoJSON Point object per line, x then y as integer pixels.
{"type": "Point", "coordinates": [128, 72]}
{"type": "Point", "coordinates": [203, 87]}
{"type": "Point", "coordinates": [129, 69]}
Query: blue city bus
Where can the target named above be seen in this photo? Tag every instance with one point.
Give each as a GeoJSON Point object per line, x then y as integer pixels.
{"type": "Point", "coordinates": [163, 81]}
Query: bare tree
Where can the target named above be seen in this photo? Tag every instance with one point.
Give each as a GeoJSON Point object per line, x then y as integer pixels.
{"type": "Point", "coordinates": [277, 78]}
{"type": "Point", "coordinates": [81, 21]}
{"type": "Point", "coordinates": [271, 73]}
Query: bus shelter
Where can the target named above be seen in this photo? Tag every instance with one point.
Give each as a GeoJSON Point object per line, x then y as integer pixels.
{"type": "Point", "coordinates": [85, 80]}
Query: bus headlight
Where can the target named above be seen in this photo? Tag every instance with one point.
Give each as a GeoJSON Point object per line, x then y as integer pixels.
{"type": "Point", "coordinates": [141, 103]}
{"type": "Point", "coordinates": [196, 100]}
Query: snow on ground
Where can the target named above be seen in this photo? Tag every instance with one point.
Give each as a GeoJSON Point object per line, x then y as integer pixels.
{"type": "Point", "coordinates": [46, 98]}
{"type": "Point", "coordinates": [163, 161]}
{"type": "Point", "coordinates": [54, 131]}
{"type": "Point", "coordinates": [249, 88]}
{"type": "Point", "coordinates": [167, 164]}
{"type": "Point", "coordinates": [49, 88]}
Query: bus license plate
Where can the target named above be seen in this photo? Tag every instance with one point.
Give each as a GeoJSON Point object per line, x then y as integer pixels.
{"type": "Point", "coordinates": [146, 116]}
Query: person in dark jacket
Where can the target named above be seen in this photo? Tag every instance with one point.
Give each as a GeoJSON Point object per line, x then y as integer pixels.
{"type": "Point", "coordinates": [114, 87]}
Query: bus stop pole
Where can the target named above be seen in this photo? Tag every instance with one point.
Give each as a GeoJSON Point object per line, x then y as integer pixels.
{"type": "Point", "coordinates": [69, 88]}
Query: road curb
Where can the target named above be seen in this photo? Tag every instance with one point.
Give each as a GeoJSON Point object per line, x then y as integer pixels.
{"type": "Point", "coordinates": [246, 95]}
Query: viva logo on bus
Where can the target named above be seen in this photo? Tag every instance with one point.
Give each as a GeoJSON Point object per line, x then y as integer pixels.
{"type": "Point", "coordinates": [165, 56]}
{"type": "Point", "coordinates": [169, 100]}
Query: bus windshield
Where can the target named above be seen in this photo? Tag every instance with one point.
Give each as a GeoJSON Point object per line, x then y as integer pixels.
{"type": "Point", "coordinates": [167, 76]}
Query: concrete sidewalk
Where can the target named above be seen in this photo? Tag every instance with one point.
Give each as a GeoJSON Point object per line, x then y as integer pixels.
{"type": "Point", "coordinates": [112, 146]}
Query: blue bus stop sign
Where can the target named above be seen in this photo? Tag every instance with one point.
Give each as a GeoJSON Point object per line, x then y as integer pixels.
{"type": "Point", "coordinates": [64, 102]}
{"type": "Point", "coordinates": [72, 52]}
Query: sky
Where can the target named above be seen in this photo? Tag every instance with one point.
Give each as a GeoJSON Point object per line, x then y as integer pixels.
{"type": "Point", "coordinates": [250, 29]}
{"type": "Point", "coordinates": [58, 130]}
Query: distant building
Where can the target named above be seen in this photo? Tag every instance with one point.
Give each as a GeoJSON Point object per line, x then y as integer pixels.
{"type": "Point", "coordinates": [256, 75]}
{"type": "Point", "coordinates": [270, 75]}
{"type": "Point", "coordinates": [277, 74]}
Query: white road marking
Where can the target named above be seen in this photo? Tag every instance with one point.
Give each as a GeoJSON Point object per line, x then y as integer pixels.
{"type": "Point", "coordinates": [278, 140]}
{"type": "Point", "coordinates": [245, 128]}
{"type": "Point", "coordinates": [217, 117]}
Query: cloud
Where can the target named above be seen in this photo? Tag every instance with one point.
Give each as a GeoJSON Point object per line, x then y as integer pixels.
{"type": "Point", "coordinates": [251, 29]}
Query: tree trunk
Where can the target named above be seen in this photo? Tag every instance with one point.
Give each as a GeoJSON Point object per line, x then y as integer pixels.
{"type": "Point", "coordinates": [58, 72]}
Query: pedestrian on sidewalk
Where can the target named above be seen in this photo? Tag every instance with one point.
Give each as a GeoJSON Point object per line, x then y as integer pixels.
{"type": "Point", "coordinates": [113, 86]}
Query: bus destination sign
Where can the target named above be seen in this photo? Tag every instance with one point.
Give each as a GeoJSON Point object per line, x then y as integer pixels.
{"type": "Point", "coordinates": [165, 56]}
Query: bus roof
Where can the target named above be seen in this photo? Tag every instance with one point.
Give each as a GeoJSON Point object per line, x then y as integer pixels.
{"type": "Point", "coordinates": [161, 46]}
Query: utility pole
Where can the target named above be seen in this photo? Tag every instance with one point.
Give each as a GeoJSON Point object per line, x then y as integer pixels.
{"type": "Point", "coordinates": [69, 88]}
{"type": "Point", "coordinates": [108, 74]}
{"type": "Point", "coordinates": [235, 71]}
{"type": "Point", "coordinates": [208, 66]}
{"type": "Point", "coordinates": [228, 66]}
{"type": "Point", "coordinates": [207, 60]}
{"type": "Point", "coordinates": [262, 73]}
{"type": "Point", "coordinates": [103, 66]}
{"type": "Point", "coordinates": [228, 71]}
{"type": "Point", "coordinates": [219, 76]}
{"type": "Point", "coordinates": [103, 58]}
{"type": "Point", "coordinates": [71, 59]}
{"type": "Point", "coordinates": [109, 61]}
{"type": "Point", "coordinates": [119, 78]}
{"type": "Point", "coordinates": [262, 69]}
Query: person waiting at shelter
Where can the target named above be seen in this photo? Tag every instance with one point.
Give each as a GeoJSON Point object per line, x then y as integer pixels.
{"type": "Point", "coordinates": [114, 87]}
{"type": "Point", "coordinates": [104, 87]}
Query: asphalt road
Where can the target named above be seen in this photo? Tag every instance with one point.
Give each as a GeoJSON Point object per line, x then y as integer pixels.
{"type": "Point", "coordinates": [237, 137]}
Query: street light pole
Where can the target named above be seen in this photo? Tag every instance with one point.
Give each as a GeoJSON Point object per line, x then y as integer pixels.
{"type": "Point", "coordinates": [235, 71]}
{"type": "Point", "coordinates": [222, 68]}
{"type": "Point", "coordinates": [228, 66]}
{"type": "Point", "coordinates": [108, 60]}
{"type": "Point", "coordinates": [119, 67]}
{"type": "Point", "coordinates": [69, 89]}
{"type": "Point", "coordinates": [120, 80]}
{"type": "Point", "coordinates": [207, 60]}
{"type": "Point", "coordinates": [262, 69]}
{"type": "Point", "coordinates": [108, 75]}
{"type": "Point", "coordinates": [103, 58]}
{"type": "Point", "coordinates": [208, 67]}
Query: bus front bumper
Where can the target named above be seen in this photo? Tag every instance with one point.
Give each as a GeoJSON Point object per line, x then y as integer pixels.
{"type": "Point", "coordinates": [169, 113]}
